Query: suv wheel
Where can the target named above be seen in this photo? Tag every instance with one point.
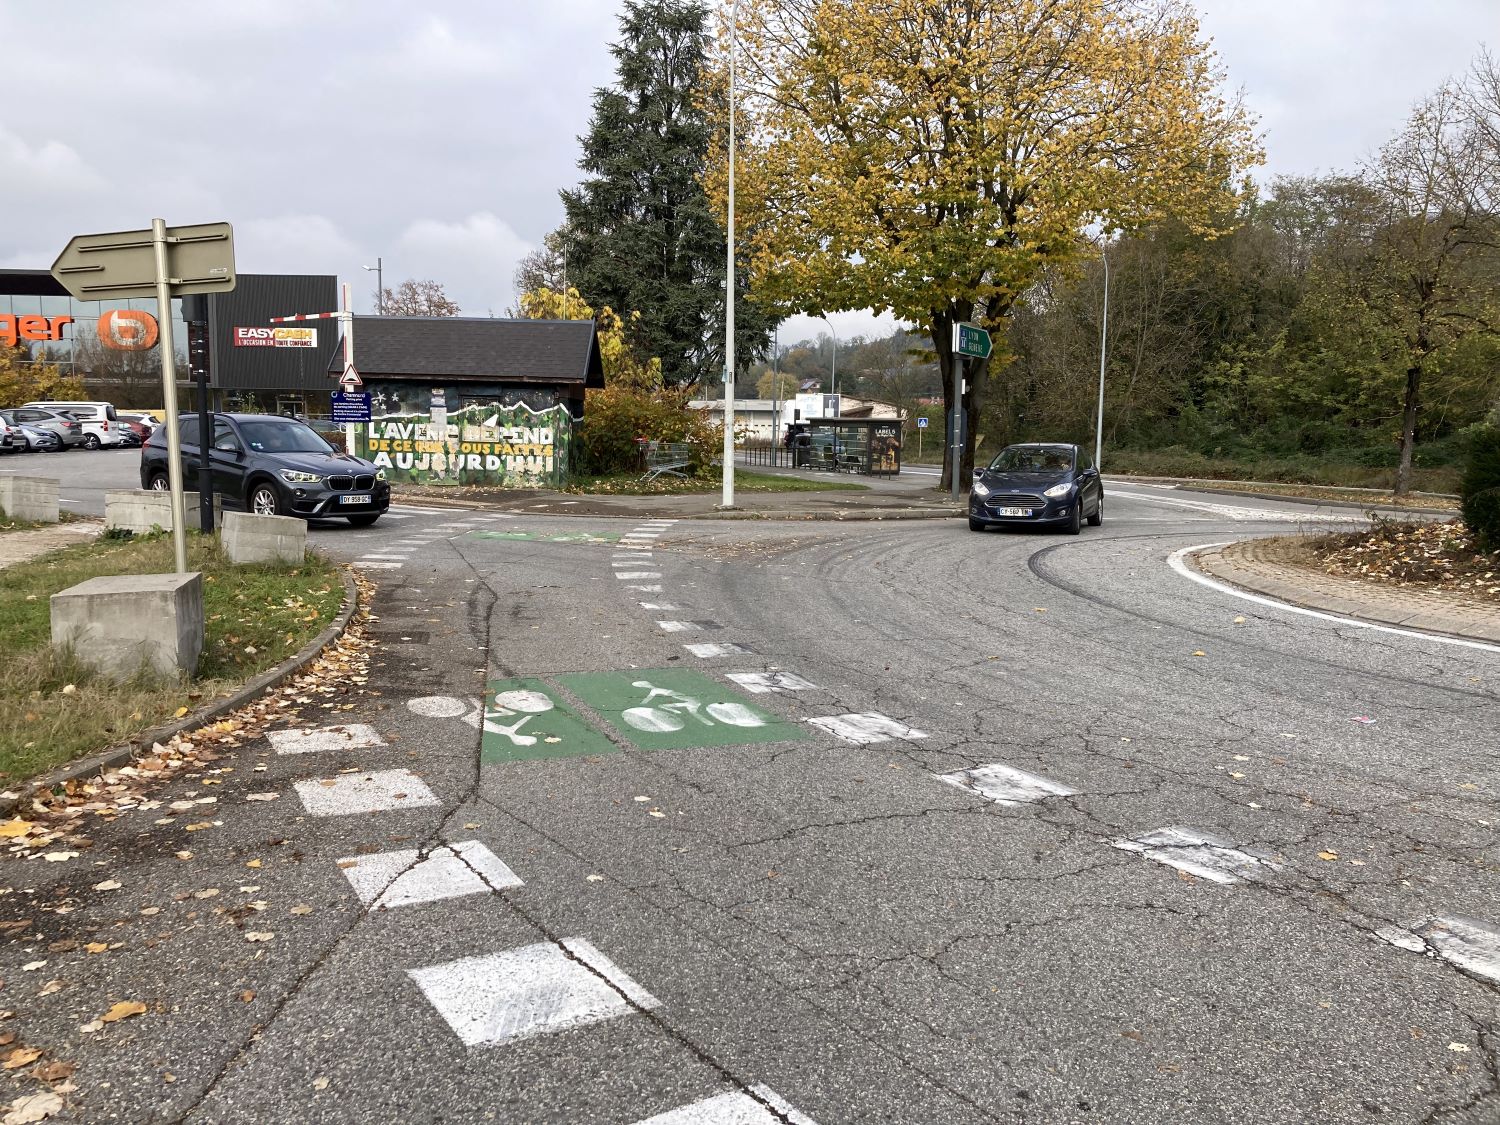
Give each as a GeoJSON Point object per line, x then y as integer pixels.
{"type": "Point", "coordinates": [264, 500]}
{"type": "Point", "coordinates": [159, 482]}
{"type": "Point", "coordinates": [91, 441]}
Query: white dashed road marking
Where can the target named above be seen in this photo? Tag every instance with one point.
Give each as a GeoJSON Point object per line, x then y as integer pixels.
{"type": "Point", "coordinates": [393, 879]}
{"type": "Point", "coordinates": [636, 574]}
{"type": "Point", "coordinates": [351, 793]}
{"type": "Point", "coordinates": [866, 728]}
{"type": "Point", "coordinates": [763, 682]}
{"type": "Point", "coordinates": [499, 997]}
{"type": "Point", "coordinates": [1006, 785]}
{"type": "Point", "coordinates": [710, 650]}
{"type": "Point", "coordinates": [309, 740]}
{"type": "Point", "coordinates": [656, 605]}
{"type": "Point", "coordinates": [645, 589]}
{"type": "Point", "coordinates": [734, 1109]}
{"type": "Point", "coordinates": [364, 564]}
{"type": "Point", "coordinates": [1467, 943]}
{"type": "Point", "coordinates": [1204, 854]}
{"type": "Point", "coordinates": [678, 626]}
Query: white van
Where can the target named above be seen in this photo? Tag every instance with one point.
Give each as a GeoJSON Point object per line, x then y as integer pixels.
{"type": "Point", "coordinates": [101, 425]}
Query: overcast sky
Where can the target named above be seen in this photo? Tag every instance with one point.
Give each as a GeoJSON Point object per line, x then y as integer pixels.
{"type": "Point", "coordinates": [437, 136]}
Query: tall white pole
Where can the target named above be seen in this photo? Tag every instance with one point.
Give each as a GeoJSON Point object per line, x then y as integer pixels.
{"type": "Point", "coordinates": [834, 358]}
{"type": "Point", "coordinates": [169, 397]}
{"type": "Point", "coordinates": [727, 499]}
{"type": "Point", "coordinates": [348, 319]}
{"type": "Point", "coordinates": [1103, 340]}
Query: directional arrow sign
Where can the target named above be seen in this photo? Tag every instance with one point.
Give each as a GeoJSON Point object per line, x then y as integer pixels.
{"type": "Point", "coordinates": [971, 340]}
{"type": "Point", "coordinates": [119, 265]}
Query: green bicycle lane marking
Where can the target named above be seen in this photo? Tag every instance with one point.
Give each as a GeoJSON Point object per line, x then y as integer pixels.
{"type": "Point", "coordinates": [526, 719]}
{"type": "Point", "coordinates": [673, 709]}
{"type": "Point", "coordinates": [548, 537]}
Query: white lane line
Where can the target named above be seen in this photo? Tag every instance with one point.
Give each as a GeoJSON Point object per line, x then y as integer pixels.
{"type": "Point", "coordinates": [678, 626]}
{"type": "Point", "coordinates": [864, 728]}
{"type": "Point", "coordinates": [736, 1108]}
{"type": "Point", "coordinates": [1006, 785]}
{"type": "Point", "coordinates": [311, 740]}
{"type": "Point", "coordinates": [366, 565]}
{"type": "Point", "coordinates": [536, 989]}
{"type": "Point", "coordinates": [645, 589]}
{"type": "Point", "coordinates": [392, 557]}
{"type": "Point", "coordinates": [708, 651]}
{"type": "Point", "coordinates": [637, 574]}
{"type": "Point", "coordinates": [1194, 851]}
{"type": "Point", "coordinates": [763, 682]}
{"type": "Point", "coordinates": [380, 791]}
{"type": "Point", "coordinates": [1177, 563]}
{"type": "Point", "coordinates": [392, 879]}
{"type": "Point", "coordinates": [1466, 942]}
{"type": "Point", "coordinates": [656, 605]}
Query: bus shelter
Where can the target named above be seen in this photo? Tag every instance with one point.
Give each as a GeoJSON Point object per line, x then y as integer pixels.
{"type": "Point", "coordinates": [849, 445]}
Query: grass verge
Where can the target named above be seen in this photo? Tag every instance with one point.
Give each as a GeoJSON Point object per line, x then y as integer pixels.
{"type": "Point", "coordinates": [744, 481]}
{"type": "Point", "coordinates": [53, 710]}
{"type": "Point", "coordinates": [8, 524]}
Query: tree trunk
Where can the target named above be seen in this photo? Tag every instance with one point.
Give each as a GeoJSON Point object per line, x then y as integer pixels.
{"type": "Point", "coordinates": [1409, 427]}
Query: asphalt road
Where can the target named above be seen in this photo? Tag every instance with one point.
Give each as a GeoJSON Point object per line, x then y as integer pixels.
{"type": "Point", "coordinates": [1178, 883]}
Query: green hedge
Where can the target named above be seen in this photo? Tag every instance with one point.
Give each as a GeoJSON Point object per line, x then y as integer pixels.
{"type": "Point", "coordinates": [1481, 488]}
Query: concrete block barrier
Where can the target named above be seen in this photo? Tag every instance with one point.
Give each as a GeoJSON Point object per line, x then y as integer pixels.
{"type": "Point", "coordinates": [250, 538]}
{"type": "Point", "coordinates": [138, 510]}
{"type": "Point", "coordinates": [116, 625]}
{"type": "Point", "coordinates": [29, 498]}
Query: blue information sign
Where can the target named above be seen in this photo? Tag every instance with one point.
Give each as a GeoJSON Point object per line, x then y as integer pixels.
{"type": "Point", "coordinates": [349, 407]}
{"type": "Point", "coordinates": [921, 423]}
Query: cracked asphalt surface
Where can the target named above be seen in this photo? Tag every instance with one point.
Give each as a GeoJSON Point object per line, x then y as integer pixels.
{"type": "Point", "coordinates": [822, 918]}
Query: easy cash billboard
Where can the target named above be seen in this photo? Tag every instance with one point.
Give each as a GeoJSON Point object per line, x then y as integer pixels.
{"type": "Point", "coordinates": [279, 337]}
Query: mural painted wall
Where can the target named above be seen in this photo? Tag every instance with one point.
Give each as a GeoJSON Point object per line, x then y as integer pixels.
{"type": "Point", "coordinates": [513, 446]}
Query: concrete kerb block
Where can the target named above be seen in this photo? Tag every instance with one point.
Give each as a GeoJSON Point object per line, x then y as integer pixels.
{"type": "Point", "coordinates": [29, 498]}
{"type": "Point", "coordinates": [138, 510]}
{"type": "Point", "coordinates": [122, 624]}
{"type": "Point", "coordinates": [250, 538]}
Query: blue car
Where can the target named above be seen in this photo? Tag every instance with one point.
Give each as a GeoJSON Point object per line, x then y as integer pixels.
{"type": "Point", "coordinates": [1037, 483]}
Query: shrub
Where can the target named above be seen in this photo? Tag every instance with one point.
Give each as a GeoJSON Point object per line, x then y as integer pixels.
{"type": "Point", "coordinates": [617, 419]}
{"type": "Point", "coordinates": [1481, 488]}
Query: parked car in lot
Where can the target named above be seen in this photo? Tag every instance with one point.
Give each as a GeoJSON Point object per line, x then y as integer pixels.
{"type": "Point", "coordinates": [138, 426]}
{"type": "Point", "coordinates": [1037, 483]}
{"type": "Point", "coordinates": [33, 440]}
{"type": "Point", "coordinates": [68, 429]}
{"type": "Point", "coordinates": [273, 465]}
{"type": "Point", "coordinates": [101, 425]}
{"type": "Point", "coordinates": [11, 438]}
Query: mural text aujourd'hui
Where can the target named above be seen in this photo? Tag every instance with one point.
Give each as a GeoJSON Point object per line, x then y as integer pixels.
{"type": "Point", "coordinates": [512, 446]}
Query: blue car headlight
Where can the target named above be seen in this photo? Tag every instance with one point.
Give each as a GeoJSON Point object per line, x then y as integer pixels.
{"type": "Point", "coordinates": [1059, 490]}
{"type": "Point", "coordinates": [981, 489]}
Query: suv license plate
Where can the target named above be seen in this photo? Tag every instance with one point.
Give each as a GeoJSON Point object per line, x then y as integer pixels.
{"type": "Point", "coordinates": [1015, 511]}
{"type": "Point", "coordinates": [354, 499]}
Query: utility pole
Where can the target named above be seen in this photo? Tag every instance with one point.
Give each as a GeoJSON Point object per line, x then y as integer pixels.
{"type": "Point", "coordinates": [727, 498]}
{"type": "Point", "coordinates": [379, 268]}
{"type": "Point", "coordinates": [1103, 340]}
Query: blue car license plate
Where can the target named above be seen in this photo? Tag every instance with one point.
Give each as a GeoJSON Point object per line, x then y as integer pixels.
{"type": "Point", "coordinates": [1015, 511]}
{"type": "Point", "coordinates": [354, 499]}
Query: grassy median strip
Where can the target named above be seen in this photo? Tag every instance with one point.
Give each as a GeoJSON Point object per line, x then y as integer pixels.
{"type": "Point", "coordinates": [744, 481]}
{"type": "Point", "coordinates": [53, 710]}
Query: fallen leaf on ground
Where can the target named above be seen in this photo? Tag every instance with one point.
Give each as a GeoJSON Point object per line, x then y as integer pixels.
{"type": "Point", "coordinates": [97, 946]}
{"type": "Point", "coordinates": [206, 892]}
{"type": "Point", "coordinates": [471, 825]}
{"type": "Point", "coordinates": [200, 826]}
{"type": "Point", "coordinates": [30, 1108]}
{"type": "Point", "coordinates": [184, 855]}
{"type": "Point", "coordinates": [259, 935]}
{"type": "Point", "coordinates": [657, 813]}
{"type": "Point", "coordinates": [108, 885]}
{"type": "Point", "coordinates": [54, 1071]}
{"type": "Point", "coordinates": [59, 857]}
{"type": "Point", "coordinates": [302, 908]}
{"type": "Point", "coordinates": [252, 863]}
{"type": "Point", "coordinates": [320, 1083]}
{"type": "Point", "coordinates": [594, 878]}
{"type": "Point", "coordinates": [1239, 620]}
{"type": "Point", "coordinates": [124, 1010]}
{"type": "Point", "coordinates": [1200, 652]}
{"type": "Point", "coordinates": [32, 966]}
{"type": "Point", "coordinates": [148, 911]}
{"type": "Point", "coordinates": [91, 1027]}
{"type": "Point", "coordinates": [261, 796]}
{"type": "Point", "coordinates": [13, 828]}
{"type": "Point", "coordinates": [345, 864]}
{"type": "Point", "coordinates": [180, 712]}
{"type": "Point", "coordinates": [25, 1056]}
{"type": "Point", "coordinates": [1328, 855]}
{"type": "Point", "coordinates": [248, 995]}
{"type": "Point", "coordinates": [1461, 1048]}
{"type": "Point", "coordinates": [50, 987]}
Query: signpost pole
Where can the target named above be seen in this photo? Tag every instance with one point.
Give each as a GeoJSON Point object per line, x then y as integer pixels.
{"type": "Point", "coordinates": [348, 319]}
{"type": "Point", "coordinates": [169, 395]}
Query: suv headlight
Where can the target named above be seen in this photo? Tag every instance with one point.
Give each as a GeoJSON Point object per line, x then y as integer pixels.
{"type": "Point", "coordinates": [292, 476]}
{"type": "Point", "coordinates": [1059, 489]}
{"type": "Point", "coordinates": [380, 474]}
{"type": "Point", "coordinates": [981, 489]}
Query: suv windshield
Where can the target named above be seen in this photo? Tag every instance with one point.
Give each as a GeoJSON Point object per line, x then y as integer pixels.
{"type": "Point", "coordinates": [1033, 459]}
{"type": "Point", "coordinates": [283, 437]}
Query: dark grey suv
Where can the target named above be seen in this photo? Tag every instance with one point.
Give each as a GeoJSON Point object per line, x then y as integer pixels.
{"type": "Point", "coordinates": [273, 466]}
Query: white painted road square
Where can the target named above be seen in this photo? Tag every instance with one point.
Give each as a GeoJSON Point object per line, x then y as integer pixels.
{"type": "Point", "coordinates": [678, 626]}
{"type": "Point", "coordinates": [392, 879]}
{"type": "Point", "coordinates": [737, 1108]}
{"type": "Point", "coordinates": [352, 793]}
{"type": "Point", "coordinates": [313, 740]}
{"type": "Point", "coordinates": [1194, 851]}
{"type": "Point", "coordinates": [707, 650]}
{"type": "Point", "coordinates": [866, 727]}
{"type": "Point", "coordinates": [537, 989]}
{"type": "Point", "coordinates": [1466, 942]}
{"type": "Point", "coordinates": [763, 682]}
{"type": "Point", "coordinates": [1006, 785]}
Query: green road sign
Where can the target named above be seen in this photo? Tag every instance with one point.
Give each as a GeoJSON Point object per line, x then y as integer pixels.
{"type": "Point", "coordinates": [526, 719]}
{"type": "Point", "coordinates": [972, 340]}
{"type": "Point", "coordinates": [545, 537]}
{"type": "Point", "coordinates": [673, 708]}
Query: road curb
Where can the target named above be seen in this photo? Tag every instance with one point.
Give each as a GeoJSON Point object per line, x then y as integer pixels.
{"type": "Point", "coordinates": [123, 752]}
{"type": "Point", "coordinates": [1457, 624]}
{"type": "Point", "coordinates": [1200, 484]}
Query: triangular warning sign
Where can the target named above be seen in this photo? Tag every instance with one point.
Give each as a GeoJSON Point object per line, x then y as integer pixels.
{"type": "Point", "coordinates": [350, 378]}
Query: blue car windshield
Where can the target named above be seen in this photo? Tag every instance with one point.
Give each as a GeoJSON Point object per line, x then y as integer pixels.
{"type": "Point", "coordinates": [1033, 459]}
{"type": "Point", "coordinates": [283, 437]}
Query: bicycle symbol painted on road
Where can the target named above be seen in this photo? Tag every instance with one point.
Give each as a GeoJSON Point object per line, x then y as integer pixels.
{"type": "Point", "coordinates": [521, 719]}
{"type": "Point", "coordinates": [673, 716]}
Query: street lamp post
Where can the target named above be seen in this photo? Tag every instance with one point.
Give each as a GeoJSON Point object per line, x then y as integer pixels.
{"type": "Point", "coordinates": [834, 361]}
{"type": "Point", "coordinates": [379, 268]}
{"type": "Point", "coordinates": [1103, 340]}
{"type": "Point", "coordinates": [727, 499]}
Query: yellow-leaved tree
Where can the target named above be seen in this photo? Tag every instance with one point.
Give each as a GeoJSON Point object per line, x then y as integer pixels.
{"type": "Point", "coordinates": [930, 157]}
{"type": "Point", "coordinates": [24, 379]}
{"type": "Point", "coordinates": [621, 366]}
